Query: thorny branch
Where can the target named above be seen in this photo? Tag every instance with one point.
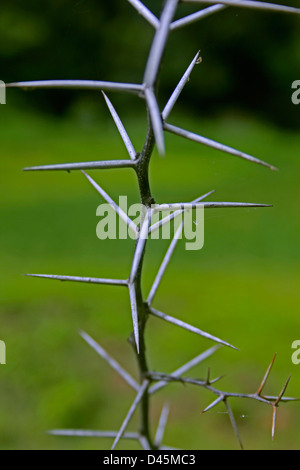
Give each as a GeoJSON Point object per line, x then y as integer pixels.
{"type": "Point", "coordinates": [139, 162]}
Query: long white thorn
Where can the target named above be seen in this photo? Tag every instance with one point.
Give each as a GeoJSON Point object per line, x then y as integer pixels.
{"type": "Point", "coordinates": [162, 425]}
{"type": "Point", "coordinates": [185, 368]}
{"type": "Point", "coordinates": [283, 400]}
{"type": "Point", "coordinates": [274, 420]}
{"type": "Point", "coordinates": [207, 205]}
{"type": "Point", "coordinates": [175, 214]}
{"type": "Point", "coordinates": [169, 448]}
{"type": "Point", "coordinates": [125, 137]}
{"type": "Point", "coordinates": [190, 19]}
{"type": "Point", "coordinates": [156, 120]}
{"type": "Point", "coordinates": [159, 43]}
{"type": "Point", "coordinates": [87, 280]}
{"type": "Point", "coordinates": [234, 423]}
{"type": "Point", "coordinates": [165, 263]}
{"type": "Point", "coordinates": [215, 145]}
{"type": "Point", "coordinates": [112, 362]}
{"type": "Point", "coordinates": [250, 5]}
{"type": "Point", "coordinates": [144, 443]}
{"type": "Point", "coordinates": [140, 246]}
{"type": "Point", "coordinates": [98, 165]}
{"type": "Point", "coordinates": [129, 415]}
{"type": "Point", "coordinates": [169, 254]}
{"type": "Point", "coordinates": [145, 12]}
{"type": "Point", "coordinates": [188, 327]}
{"type": "Point", "coordinates": [88, 433]}
{"type": "Point", "coordinates": [133, 227]}
{"type": "Point", "coordinates": [135, 317]}
{"type": "Point", "coordinates": [212, 405]}
{"type": "Point", "coordinates": [78, 85]}
{"type": "Point", "coordinates": [138, 255]}
{"type": "Point", "coordinates": [177, 92]}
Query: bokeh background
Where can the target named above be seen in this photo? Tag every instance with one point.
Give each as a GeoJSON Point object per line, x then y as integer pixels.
{"type": "Point", "coordinates": [244, 284]}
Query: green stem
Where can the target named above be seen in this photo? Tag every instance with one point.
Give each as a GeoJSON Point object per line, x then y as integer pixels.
{"type": "Point", "coordinates": [142, 170]}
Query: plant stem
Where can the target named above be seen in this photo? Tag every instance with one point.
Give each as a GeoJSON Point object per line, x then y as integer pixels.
{"type": "Point", "coordinates": [142, 170]}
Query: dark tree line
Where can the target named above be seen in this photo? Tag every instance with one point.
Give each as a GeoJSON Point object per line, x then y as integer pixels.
{"type": "Point", "coordinates": [250, 59]}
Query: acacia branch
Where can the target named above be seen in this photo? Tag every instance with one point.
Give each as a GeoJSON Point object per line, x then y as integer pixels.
{"type": "Point", "coordinates": [141, 309]}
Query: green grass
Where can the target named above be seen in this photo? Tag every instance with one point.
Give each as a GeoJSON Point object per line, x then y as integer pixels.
{"type": "Point", "coordinates": [243, 286]}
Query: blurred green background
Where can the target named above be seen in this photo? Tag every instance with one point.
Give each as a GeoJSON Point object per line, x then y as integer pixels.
{"type": "Point", "coordinates": [243, 286]}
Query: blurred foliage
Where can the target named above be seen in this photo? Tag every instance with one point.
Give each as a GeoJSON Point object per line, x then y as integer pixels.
{"type": "Point", "coordinates": [250, 59]}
